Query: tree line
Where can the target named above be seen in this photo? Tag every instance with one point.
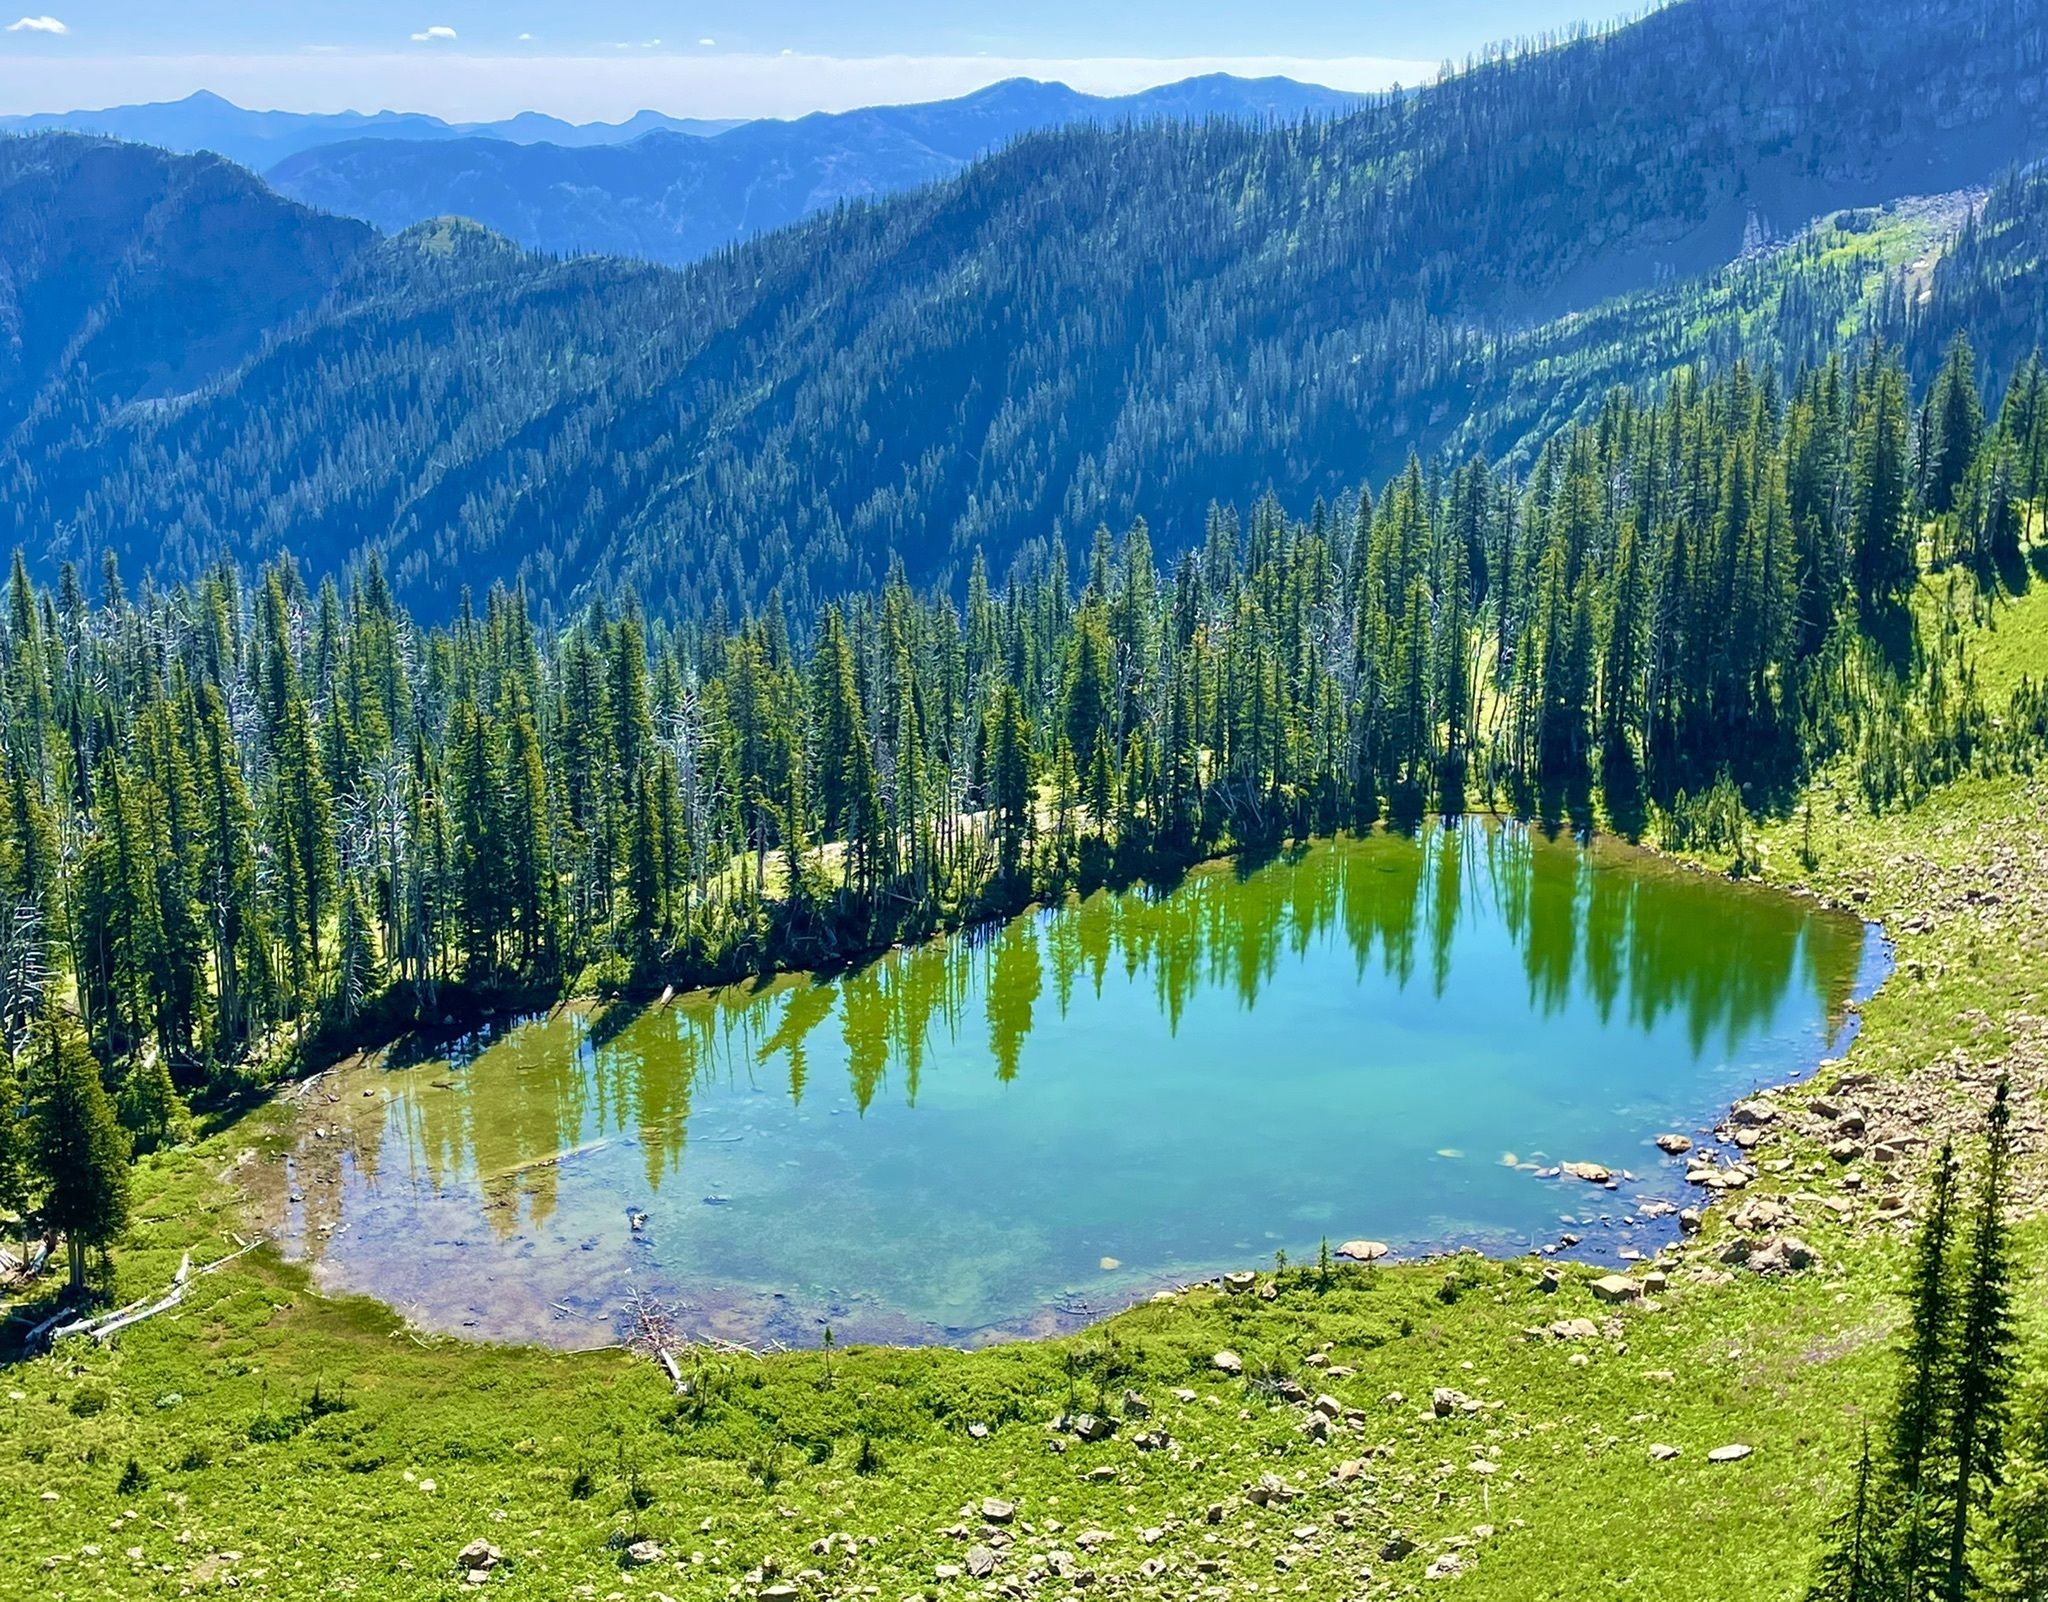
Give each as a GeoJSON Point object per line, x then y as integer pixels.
{"type": "Point", "coordinates": [252, 818]}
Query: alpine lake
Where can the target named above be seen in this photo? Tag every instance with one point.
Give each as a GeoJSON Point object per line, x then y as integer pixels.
{"type": "Point", "coordinates": [1020, 1129]}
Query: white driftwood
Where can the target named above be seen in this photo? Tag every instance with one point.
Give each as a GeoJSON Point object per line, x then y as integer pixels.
{"type": "Point", "coordinates": [107, 1324]}
{"type": "Point", "coordinates": [29, 1340]}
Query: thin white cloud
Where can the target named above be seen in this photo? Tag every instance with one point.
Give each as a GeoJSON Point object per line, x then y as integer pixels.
{"type": "Point", "coordinates": [708, 43]}
{"type": "Point", "coordinates": [37, 25]}
{"type": "Point", "coordinates": [438, 34]}
{"type": "Point", "coordinates": [472, 86]}
{"type": "Point", "coordinates": [638, 44]}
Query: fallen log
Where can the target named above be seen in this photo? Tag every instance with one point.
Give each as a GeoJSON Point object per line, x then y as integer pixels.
{"type": "Point", "coordinates": [29, 1340]}
{"type": "Point", "coordinates": [106, 1324]}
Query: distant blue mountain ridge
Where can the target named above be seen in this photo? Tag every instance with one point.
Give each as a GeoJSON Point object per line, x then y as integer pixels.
{"type": "Point", "coordinates": [261, 139]}
{"type": "Point", "coordinates": [661, 188]}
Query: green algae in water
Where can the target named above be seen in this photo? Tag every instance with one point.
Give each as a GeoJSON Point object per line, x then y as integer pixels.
{"type": "Point", "coordinates": [1010, 1131]}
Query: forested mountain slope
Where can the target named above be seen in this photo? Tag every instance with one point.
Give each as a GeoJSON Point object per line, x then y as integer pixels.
{"type": "Point", "coordinates": [675, 198]}
{"type": "Point", "coordinates": [1095, 323]}
{"type": "Point", "coordinates": [130, 274]}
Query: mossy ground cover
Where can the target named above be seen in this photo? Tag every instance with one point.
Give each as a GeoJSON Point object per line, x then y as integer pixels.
{"type": "Point", "coordinates": [268, 1439]}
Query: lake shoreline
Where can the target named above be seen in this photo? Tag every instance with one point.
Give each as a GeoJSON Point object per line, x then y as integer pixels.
{"type": "Point", "coordinates": [1600, 1242]}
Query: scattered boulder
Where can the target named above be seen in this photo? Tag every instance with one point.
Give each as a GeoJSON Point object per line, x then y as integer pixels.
{"type": "Point", "coordinates": [1363, 1251]}
{"type": "Point", "coordinates": [1270, 1489]}
{"type": "Point", "coordinates": [1238, 1283]}
{"type": "Point", "coordinates": [981, 1561]}
{"type": "Point", "coordinates": [1761, 1213]}
{"type": "Point", "coordinates": [1092, 1426]}
{"type": "Point", "coordinates": [1674, 1145]}
{"type": "Point", "coordinates": [1573, 1329]}
{"type": "Point", "coordinates": [1733, 1453]}
{"type": "Point", "coordinates": [1591, 1173]}
{"type": "Point", "coordinates": [642, 1553]}
{"type": "Point", "coordinates": [1661, 1453]}
{"type": "Point", "coordinates": [1227, 1362]}
{"type": "Point", "coordinates": [1395, 1547]}
{"type": "Point", "coordinates": [1447, 1567]}
{"type": "Point", "coordinates": [1754, 1114]}
{"type": "Point", "coordinates": [476, 1561]}
{"type": "Point", "coordinates": [994, 1510]}
{"type": "Point", "coordinates": [1783, 1254]}
{"type": "Point", "coordinates": [1616, 1288]}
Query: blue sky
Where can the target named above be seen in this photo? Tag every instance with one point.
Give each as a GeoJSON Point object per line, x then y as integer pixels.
{"type": "Point", "coordinates": [607, 58]}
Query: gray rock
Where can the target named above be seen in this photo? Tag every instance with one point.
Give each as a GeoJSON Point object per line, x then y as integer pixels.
{"type": "Point", "coordinates": [479, 1554]}
{"type": "Point", "coordinates": [1783, 1254]}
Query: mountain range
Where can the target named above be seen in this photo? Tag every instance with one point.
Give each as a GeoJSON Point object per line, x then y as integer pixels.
{"type": "Point", "coordinates": [1095, 323]}
{"type": "Point", "coordinates": [261, 139]}
{"type": "Point", "coordinates": [661, 188]}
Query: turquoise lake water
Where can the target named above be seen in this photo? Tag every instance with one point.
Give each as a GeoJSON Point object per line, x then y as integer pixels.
{"type": "Point", "coordinates": [1024, 1128]}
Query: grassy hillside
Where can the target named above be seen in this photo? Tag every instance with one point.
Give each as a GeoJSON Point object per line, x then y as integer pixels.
{"type": "Point", "coordinates": [266, 1438]}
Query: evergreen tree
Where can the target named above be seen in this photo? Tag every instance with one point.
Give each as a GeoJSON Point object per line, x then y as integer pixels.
{"type": "Point", "coordinates": [80, 1148]}
{"type": "Point", "coordinates": [17, 1154]}
{"type": "Point", "coordinates": [1880, 535]}
{"type": "Point", "coordinates": [1921, 1425]}
{"type": "Point", "coordinates": [1987, 1353]}
{"type": "Point", "coordinates": [1956, 427]}
{"type": "Point", "coordinates": [1852, 1566]}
